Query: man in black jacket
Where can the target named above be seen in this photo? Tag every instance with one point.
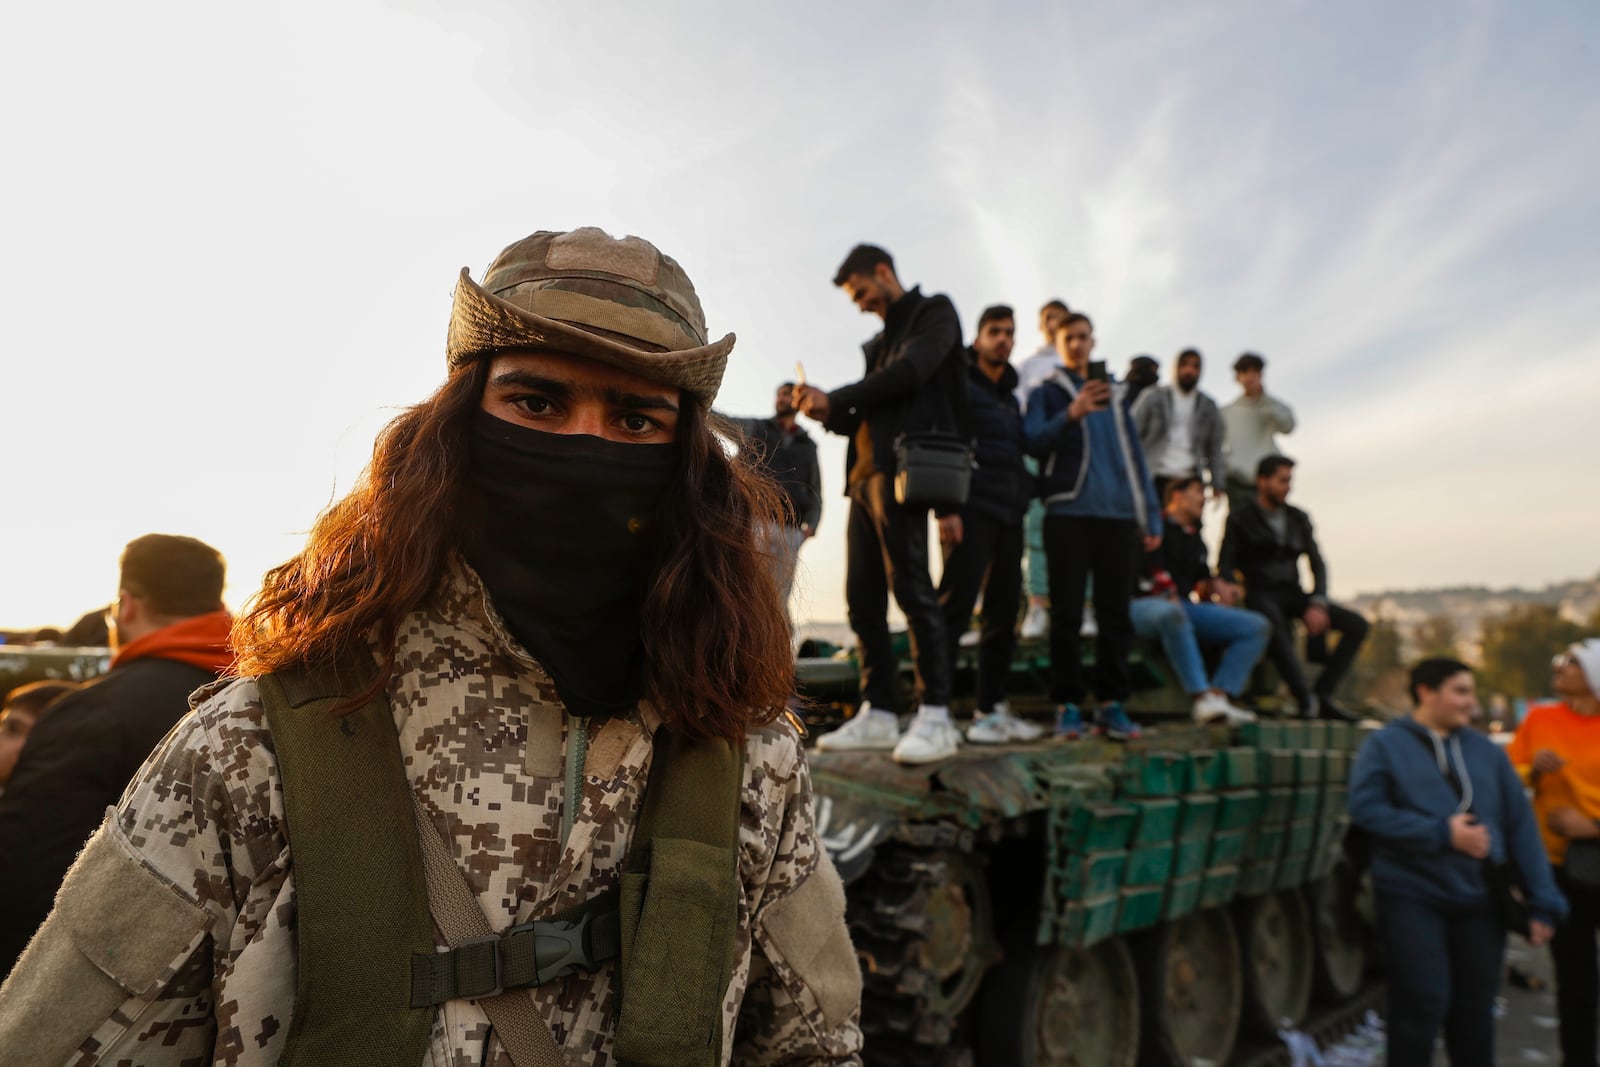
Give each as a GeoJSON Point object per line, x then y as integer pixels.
{"type": "Point", "coordinates": [170, 634]}
{"type": "Point", "coordinates": [915, 381]}
{"type": "Point", "coordinates": [1263, 542]}
{"type": "Point", "coordinates": [789, 455]}
{"type": "Point", "coordinates": [983, 541]}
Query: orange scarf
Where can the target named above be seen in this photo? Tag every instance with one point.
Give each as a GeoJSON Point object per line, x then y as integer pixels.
{"type": "Point", "coordinates": [201, 641]}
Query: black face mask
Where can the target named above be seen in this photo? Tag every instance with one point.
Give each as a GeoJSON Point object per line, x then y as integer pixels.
{"type": "Point", "coordinates": [561, 530]}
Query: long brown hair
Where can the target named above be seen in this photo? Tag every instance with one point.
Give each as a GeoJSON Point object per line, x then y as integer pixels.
{"type": "Point", "coordinates": [717, 652]}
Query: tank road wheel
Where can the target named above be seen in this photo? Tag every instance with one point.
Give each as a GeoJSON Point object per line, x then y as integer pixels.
{"type": "Point", "coordinates": [1087, 1014]}
{"type": "Point", "coordinates": [923, 927]}
{"type": "Point", "coordinates": [1341, 937]}
{"type": "Point", "coordinates": [1191, 989]}
{"type": "Point", "coordinates": [1063, 1007]}
{"type": "Point", "coordinates": [1278, 950]}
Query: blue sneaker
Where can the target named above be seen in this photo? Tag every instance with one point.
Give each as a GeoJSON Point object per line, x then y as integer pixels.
{"type": "Point", "coordinates": [1112, 722]}
{"type": "Point", "coordinates": [1069, 722]}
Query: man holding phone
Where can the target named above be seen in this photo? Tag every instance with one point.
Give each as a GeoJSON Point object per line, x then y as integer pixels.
{"type": "Point", "coordinates": [1100, 514]}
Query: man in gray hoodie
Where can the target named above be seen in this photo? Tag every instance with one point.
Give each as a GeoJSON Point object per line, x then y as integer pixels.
{"type": "Point", "coordinates": [1252, 422]}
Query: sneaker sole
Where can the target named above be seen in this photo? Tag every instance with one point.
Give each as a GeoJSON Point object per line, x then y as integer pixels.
{"type": "Point", "coordinates": [848, 747]}
{"type": "Point", "coordinates": [914, 761]}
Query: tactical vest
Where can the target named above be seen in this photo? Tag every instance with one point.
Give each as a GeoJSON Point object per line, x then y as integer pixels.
{"type": "Point", "coordinates": [370, 976]}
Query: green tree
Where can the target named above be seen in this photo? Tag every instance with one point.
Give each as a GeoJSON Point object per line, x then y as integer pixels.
{"type": "Point", "coordinates": [1436, 636]}
{"type": "Point", "coordinates": [1517, 647]}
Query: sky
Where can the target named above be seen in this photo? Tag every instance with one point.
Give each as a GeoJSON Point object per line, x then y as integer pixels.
{"type": "Point", "coordinates": [231, 234]}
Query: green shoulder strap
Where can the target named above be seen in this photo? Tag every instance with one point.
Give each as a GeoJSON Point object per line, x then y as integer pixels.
{"type": "Point", "coordinates": [678, 939]}
{"type": "Point", "coordinates": [361, 904]}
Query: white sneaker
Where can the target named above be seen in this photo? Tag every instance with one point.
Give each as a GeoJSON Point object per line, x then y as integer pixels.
{"type": "Point", "coordinates": [1000, 727]}
{"type": "Point", "coordinates": [1214, 707]}
{"type": "Point", "coordinates": [1036, 623]}
{"type": "Point", "coordinates": [868, 730]}
{"type": "Point", "coordinates": [970, 639]}
{"type": "Point", "coordinates": [1089, 628]}
{"type": "Point", "coordinates": [929, 739]}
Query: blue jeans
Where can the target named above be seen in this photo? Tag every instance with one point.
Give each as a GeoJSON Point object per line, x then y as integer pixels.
{"type": "Point", "coordinates": [1444, 971]}
{"type": "Point", "coordinates": [1183, 628]}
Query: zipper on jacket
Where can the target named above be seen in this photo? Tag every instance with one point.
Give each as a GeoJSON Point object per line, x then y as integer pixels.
{"type": "Point", "coordinates": [577, 751]}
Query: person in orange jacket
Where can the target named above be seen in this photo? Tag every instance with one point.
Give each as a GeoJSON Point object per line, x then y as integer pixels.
{"type": "Point", "coordinates": [1557, 749]}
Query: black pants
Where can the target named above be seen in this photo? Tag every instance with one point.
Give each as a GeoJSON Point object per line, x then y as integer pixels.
{"type": "Point", "coordinates": [988, 560]}
{"type": "Point", "coordinates": [886, 548]}
{"type": "Point", "coordinates": [1074, 548]}
{"type": "Point", "coordinates": [1577, 973]}
{"type": "Point", "coordinates": [1444, 971]}
{"type": "Point", "coordinates": [1283, 605]}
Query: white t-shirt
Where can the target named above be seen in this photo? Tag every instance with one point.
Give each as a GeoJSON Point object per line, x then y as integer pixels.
{"type": "Point", "coordinates": [1178, 461]}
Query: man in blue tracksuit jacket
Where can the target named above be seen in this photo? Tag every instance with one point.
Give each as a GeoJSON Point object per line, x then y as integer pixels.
{"type": "Point", "coordinates": [1101, 515]}
{"type": "Point", "coordinates": [1445, 811]}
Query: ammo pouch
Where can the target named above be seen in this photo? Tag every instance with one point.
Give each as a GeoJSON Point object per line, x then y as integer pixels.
{"type": "Point", "coordinates": [932, 470]}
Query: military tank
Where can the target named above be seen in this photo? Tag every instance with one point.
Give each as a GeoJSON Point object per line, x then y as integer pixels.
{"type": "Point", "coordinates": [1172, 901]}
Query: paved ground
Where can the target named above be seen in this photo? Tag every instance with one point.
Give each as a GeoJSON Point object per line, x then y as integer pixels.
{"type": "Point", "coordinates": [1527, 1030]}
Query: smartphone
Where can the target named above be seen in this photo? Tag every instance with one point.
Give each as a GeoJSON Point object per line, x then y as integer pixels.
{"type": "Point", "coordinates": [1097, 370]}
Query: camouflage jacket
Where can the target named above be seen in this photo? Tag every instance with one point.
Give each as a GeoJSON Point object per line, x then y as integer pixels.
{"type": "Point", "coordinates": [184, 900]}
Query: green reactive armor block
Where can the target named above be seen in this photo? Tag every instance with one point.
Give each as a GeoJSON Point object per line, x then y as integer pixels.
{"type": "Point", "coordinates": [1256, 878]}
{"type": "Point", "coordinates": [1240, 767]}
{"type": "Point", "coordinates": [1089, 921]}
{"type": "Point", "coordinates": [1267, 845]}
{"type": "Point", "coordinates": [1295, 733]}
{"type": "Point", "coordinates": [1141, 907]}
{"type": "Point", "coordinates": [1292, 871]}
{"type": "Point", "coordinates": [1228, 847]}
{"type": "Point", "coordinates": [1301, 839]}
{"type": "Point", "coordinates": [1218, 887]}
{"type": "Point", "coordinates": [1156, 774]}
{"type": "Point", "coordinates": [1100, 827]}
{"type": "Point", "coordinates": [1307, 802]}
{"type": "Point", "coordinates": [1277, 766]}
{"type": "Point", "coordinates": [1092, 874]}
{"type": "Point", "coordinates": [1262, 734]}
{"type": "Point", "coordinates": [1205, 770]}
{"type": "Point", "coordinates": [1335, 800]}
{"type": "Point", "coordinates": [1197, 816]}
{"type": "Point", "coordinates": [1158, 820]}
{"type": "Point", "coordinates": [1309, 764]}
{"type": "Point", "coordinates": [1190, 857]}
{"type": "Point", "coordinates": [1341, 736]}
{"type": "Point", "coordinates": [1336, 766]}
{"type": "Point", "coordinates": [1149, 864]}
{"type": "Point", "coordinates": [1183, 897]}
{"type": "Point", "coordinates": [1239, 809]}
{"type": "Point", "coordinates": [1316, 734]}
{"type": "Point", "coordinates": [1276, 806]}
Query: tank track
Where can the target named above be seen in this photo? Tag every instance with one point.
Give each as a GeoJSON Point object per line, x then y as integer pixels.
{"type": "Point", "coordinates": [907, 1018]}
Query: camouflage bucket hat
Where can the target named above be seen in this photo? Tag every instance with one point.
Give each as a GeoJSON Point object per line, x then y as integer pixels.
{"type": "Point", "coordinates": [620, 302]}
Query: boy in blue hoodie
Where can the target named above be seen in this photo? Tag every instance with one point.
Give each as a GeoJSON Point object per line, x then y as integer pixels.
{"type": "Point", "coordinates": [1101, 516]}
{"type": "Point", "coordinates": [1442, 803]}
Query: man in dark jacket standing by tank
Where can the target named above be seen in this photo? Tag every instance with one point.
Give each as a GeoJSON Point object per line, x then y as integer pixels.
{"type": "Point", "coordinates": [915, 381]}
{"type": "Point", "coordinates": [170, 634]}
{"type": "Point", "coordinates": [789, 455]}
{"type": "Point", "coordinates": [1263, 542]}
{"type": "Point", "coordinates": [983, 541]}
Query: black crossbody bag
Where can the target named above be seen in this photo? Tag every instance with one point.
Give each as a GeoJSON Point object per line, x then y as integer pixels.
{"type": "Point", "coordinates": [932, 469]}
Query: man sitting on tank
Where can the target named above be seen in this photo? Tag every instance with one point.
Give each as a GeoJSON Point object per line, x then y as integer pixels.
{"type": "Point", "coordinates": [1175, 606]}
{"type": "Point", "coordinates": [1263, 542]}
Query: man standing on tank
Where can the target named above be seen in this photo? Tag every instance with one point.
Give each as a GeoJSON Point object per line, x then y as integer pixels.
{"type": "Point", "coordinates": [1251, 421]}
{"type": "Point", "coordinates": [915, 381]}
{"type": "Point", "coordinates": [983, 541]}
{"type": "Point", "coordinates": [1031, 373]}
